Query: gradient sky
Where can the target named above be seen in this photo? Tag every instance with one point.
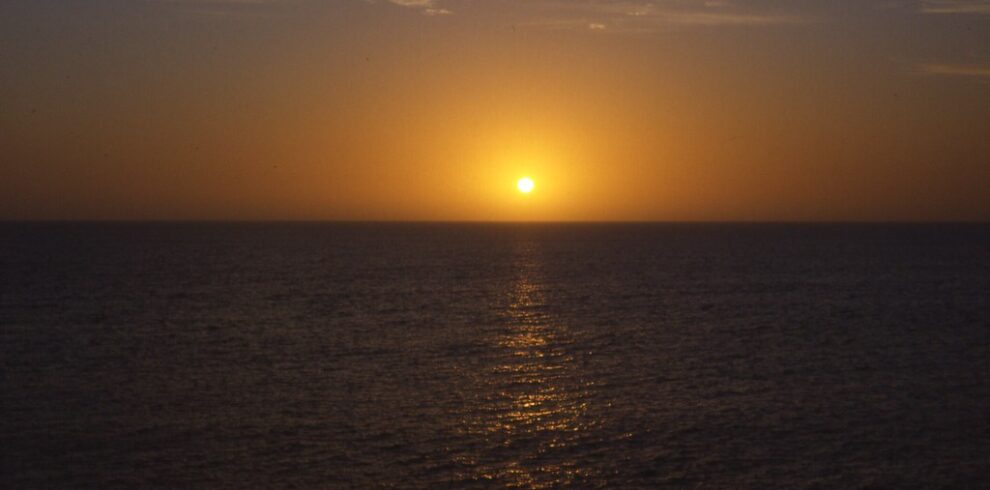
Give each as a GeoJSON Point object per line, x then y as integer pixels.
{"type": "Point", "coordinates": [431, 109]}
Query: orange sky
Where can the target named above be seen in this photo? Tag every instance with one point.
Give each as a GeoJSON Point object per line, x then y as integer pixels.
{"type": "Point", "coordinates": [431, 110]}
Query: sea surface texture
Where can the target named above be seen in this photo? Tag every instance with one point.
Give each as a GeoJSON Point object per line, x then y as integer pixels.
{"type": "Point", "coordinates": [472, 356]}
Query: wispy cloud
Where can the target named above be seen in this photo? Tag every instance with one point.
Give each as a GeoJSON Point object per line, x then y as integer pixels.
{"type": "Point", "coordinates": [224, 7]}
{"type": "Point", "coordinates": [427, 7]}
{"type": "Point", "coordinates": [610, 15]}
{"type": "Point", "coordinates": [221, 3]}
{"type": "Point", "coordinates": [648, 15]}
{"type": "Point", "coordinates": [955, 70]}
{"type": "Point", "coordinates": [594, 15]}
{"type": "Point", "coordinates": [980, 7]}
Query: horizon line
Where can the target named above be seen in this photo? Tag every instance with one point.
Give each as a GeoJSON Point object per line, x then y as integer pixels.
{"type": "Point", "coordinates": [487, 222]}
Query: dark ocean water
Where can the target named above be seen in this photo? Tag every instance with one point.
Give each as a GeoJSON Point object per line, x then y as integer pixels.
{"type": "Point", "coordinates": [529, 356]}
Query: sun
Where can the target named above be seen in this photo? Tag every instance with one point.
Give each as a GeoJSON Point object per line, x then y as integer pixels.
{"type": "Point", "coordinates": [525, 185]}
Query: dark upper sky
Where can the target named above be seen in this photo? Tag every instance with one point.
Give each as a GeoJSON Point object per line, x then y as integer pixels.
{"type": "Point", "coordinates": [432, 109]}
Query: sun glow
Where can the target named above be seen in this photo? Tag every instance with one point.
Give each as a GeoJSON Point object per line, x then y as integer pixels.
{"type": "Point", "coordinates": [525, 185]}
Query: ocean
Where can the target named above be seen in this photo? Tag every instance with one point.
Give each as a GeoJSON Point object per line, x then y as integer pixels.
{"type": "Point", "coordinates": [335, 355]}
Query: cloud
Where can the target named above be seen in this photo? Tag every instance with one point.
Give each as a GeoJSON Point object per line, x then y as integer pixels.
{"type": "Point", "coordinates": [414, 3]}
{"type": "Point", "coordinates": [647, 15]}
{"type": "Point", "coordinates": [437, 12]}
{"type": "Point", "coordinates": [955, 70]}
{"type": "Point", "coordinates": [428, 7]}
{"type": "Point", "coordinates": [222, 3]}
{"type": "Point", "coordinates": [980, 7]}
{"type": "Point", "coordinates": [609, 15]}
{"type": "Point", "coordinates": [596, 15]}
{"type": "Point", "coordinates": [225, 7]}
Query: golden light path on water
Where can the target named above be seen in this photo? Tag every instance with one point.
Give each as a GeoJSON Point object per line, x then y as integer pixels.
{"type": "Point", "coordinates": [536, 408]}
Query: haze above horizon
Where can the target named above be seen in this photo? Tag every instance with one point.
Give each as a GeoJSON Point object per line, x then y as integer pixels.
{"type": "Point", "coordinates": [436, 110]}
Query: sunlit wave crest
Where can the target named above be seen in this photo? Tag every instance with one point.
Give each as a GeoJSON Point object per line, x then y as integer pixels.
{"type": "Point", "coordinates": [536, 407]}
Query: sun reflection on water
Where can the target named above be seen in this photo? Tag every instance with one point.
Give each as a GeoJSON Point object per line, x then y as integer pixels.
{"type": "Point", "coordinates": [535, 411]}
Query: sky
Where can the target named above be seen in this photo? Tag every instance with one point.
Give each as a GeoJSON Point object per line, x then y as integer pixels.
{"type": "Point", "coordinates": [651, 110]}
